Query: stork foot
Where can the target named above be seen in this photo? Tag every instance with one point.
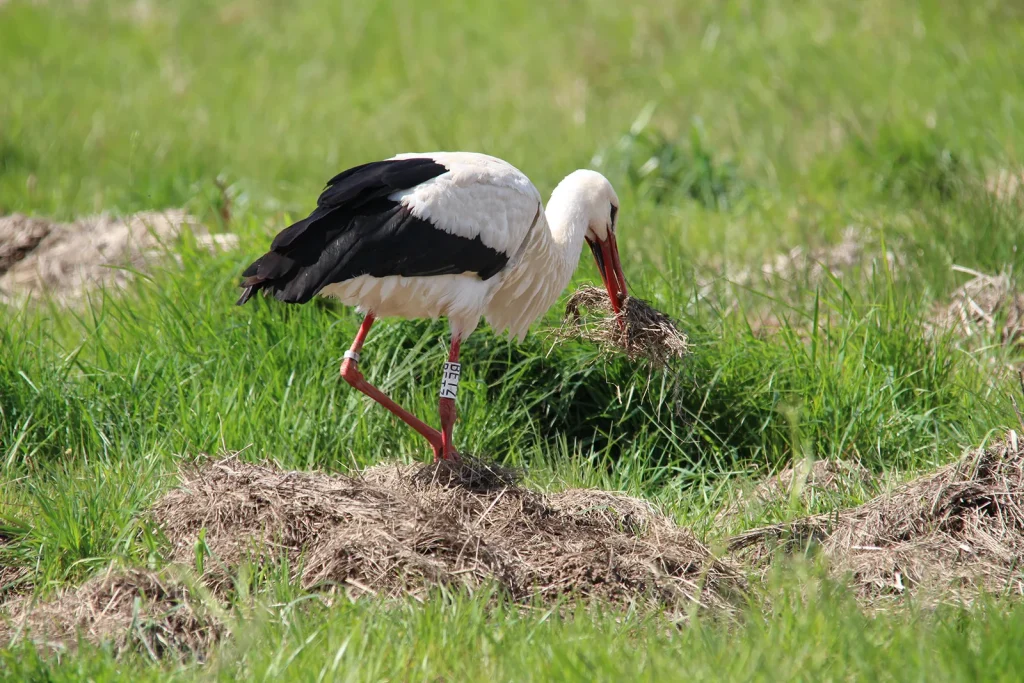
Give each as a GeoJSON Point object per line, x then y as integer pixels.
{"type": "Point", "coordinates": [450, 454]}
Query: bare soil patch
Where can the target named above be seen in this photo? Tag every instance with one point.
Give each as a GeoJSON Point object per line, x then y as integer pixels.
{"type": "Point", "coordinates": [66, 260]}
{"type": "Point", "coordinates": [133, 610]}
{"type": "Point", "coordinates": [944, 536]}
{"type": "Point", "coordinates": [640, 330]}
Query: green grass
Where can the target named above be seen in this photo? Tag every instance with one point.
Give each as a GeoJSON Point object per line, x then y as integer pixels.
{"type": "Point", "coordinates": [814, 633]}
{"type": "Point", "coordinates": [773, 124]}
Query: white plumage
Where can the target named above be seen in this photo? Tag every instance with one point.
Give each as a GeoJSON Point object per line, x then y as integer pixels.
{"type": "Point", "coordinates": [452, 234]}
{"type": "Point", "coordinates": [482, 196]}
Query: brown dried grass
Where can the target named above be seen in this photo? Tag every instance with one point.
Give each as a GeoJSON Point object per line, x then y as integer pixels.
{"type": "Point", "coordinates": [135, 610]}
{"type": "Point", "coordinates": [1006, 185]}
{"type": "Point", "coordinates": [787, 278]}
{"type": "Point", "coordinates": [836, 260]}
{"type": "Point", "coordinates": [815, 265]}
{"type": "Point", "coordinates": [67, 260]}
{"type": "Point", "coordinates": [944, 536]}
{"type": "Point", "coordinates": [403, 530]}
{"type": "Point", "coordinates": [985, 303]}
{"type": "Point", "coordinates": [821, 478]}
{"type": "Point", "coordinates": [639, 330]}
{"type": "Point", "coordinates": [19, 235]}
{"type": "Point", "coordinates": [13, 580]}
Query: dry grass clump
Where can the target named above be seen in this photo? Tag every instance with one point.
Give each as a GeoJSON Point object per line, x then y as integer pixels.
{"type": "Point", "coordinates": [469, 473]}
{"type": "Point", "coordinates": [813, 266]}
{"type": "Point", "coordinates": [786, 279]}
{"type": "Point", "coordinates": [639, 329]}
{"type": "Point", "coordinates": [133, 610]}
{"type": "Point", "coordinates": [852, 251]}
{"type": "Point", "coordinates": [804, 480]}
{"type": "Point", "coordinates": [67, 260]}
{"type": "Point", "coordinates": [1006, 185]}
{"type": "Point", "coordinates": [19, 235]}
{"type": "Point", "coordinates": [986, 303]}
{"type": "Point", "coordinates": [403, 530]}
{"type": "Point", "coordinates": [942, 536]}
{"type": "Point", "coordinates": [13, 580]}
{"type": "Point", "coordinates": [825, 476]}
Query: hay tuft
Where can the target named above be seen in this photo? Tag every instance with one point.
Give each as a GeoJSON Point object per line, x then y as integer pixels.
{"type": "Point", "coordinates": [398, 530]}
{"type": "Point", "coordinates": [1006, 185]}
{"type": "Point", "coordinates": [14, 580]}
{"type": "Point", "coordinates": [644, 332]}
{"type": "Point", "coordinates": [833, 478]}
{"type": "Point", "coordinates": [817, 264]}
{"type": "Point", "coordinates": [469, 473]}
{"type": "Point", "coordinates": [986, 303]}
{"type": "Point", "coordinates": [944, 536]}
{"type": "Point", "coordinates": [134, 610]}
{"type": "Point", "coordinates": [40, 257]}
{"type": "Point", "coordinates": [19, 236]}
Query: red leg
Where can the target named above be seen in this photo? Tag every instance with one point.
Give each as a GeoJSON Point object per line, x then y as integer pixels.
{"type": "Point", "coordinates": [446, 407]}
{"type": "Point", "coordinates": [350, 373]}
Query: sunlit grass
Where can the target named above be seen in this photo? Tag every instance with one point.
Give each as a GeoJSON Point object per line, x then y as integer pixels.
{"type": "Point", "coordinates": [772, 126]}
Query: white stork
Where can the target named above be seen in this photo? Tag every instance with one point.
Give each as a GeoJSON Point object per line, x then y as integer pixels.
{"type": "Point", "coordinates": [456, 234]}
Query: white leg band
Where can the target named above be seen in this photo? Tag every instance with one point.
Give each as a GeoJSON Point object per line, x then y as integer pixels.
{"type": "Point", "coordinates": [352, 355]}
{"type": "Point", "coordinates": [450, 380]}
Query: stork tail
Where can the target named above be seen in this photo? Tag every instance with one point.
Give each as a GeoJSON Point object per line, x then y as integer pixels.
{"type": "Point", "coordinates": [246, 295]}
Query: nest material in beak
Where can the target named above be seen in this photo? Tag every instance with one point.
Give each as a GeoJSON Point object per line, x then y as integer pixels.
{"type": "Point", "coordinates": [644, 332]}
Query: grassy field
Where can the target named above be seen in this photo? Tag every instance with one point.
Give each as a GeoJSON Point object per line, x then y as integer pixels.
{"type": "Point", "coordinates": [775, 125]}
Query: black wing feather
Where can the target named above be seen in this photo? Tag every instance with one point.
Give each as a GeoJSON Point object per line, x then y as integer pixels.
{"type": "Point", "coordinates": [356, 230]}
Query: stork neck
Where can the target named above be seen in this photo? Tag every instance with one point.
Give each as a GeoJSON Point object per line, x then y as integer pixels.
{"type": "Point", "coordinates": [567, 220]}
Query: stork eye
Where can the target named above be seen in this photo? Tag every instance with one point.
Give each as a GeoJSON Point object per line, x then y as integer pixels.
{"type": "Point", "coordinates": [615, 212]}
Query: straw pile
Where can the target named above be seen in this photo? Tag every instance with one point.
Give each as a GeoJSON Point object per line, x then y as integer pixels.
{"type": "Point", "coordinates": [944, 536]}
{"type": "Point", "coordinates": [640, 330]}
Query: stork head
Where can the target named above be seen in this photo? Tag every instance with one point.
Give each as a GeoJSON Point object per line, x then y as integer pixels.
{"type": "Point", "coordinates": [602, 206]}
{"type": "Point", "coordinates": [585, 206]}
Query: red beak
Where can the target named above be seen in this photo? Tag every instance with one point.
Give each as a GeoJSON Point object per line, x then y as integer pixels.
{"type": "Point", "coordinates": [606, 254]}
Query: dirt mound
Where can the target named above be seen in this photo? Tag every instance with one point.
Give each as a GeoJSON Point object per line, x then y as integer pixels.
{"type": "Point", "coordinates": [66, 260]}
{"type": "Point", "coordinates": [133, 610]}
{"type": "Point", "coordinates": [986, 303]}
{"type": "Point", "coordinates": [823, 477]}
{"type": "Point", "coordinates": [640, 330]}
{"type": "Point", "coordinates": [403, 530]}
{"type": "Point", "coordinates": [943, 536]}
